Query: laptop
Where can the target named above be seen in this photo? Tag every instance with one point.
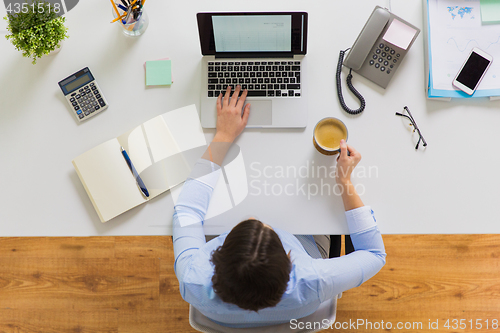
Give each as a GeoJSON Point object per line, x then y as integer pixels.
{"type": "Point", "coordinates": [263, 52]}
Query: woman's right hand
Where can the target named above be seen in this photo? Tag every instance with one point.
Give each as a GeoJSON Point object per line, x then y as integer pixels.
{"type": "Point", "coordinates": [230, 120]}
{"type": "Point", "coordinates": [346, 163]}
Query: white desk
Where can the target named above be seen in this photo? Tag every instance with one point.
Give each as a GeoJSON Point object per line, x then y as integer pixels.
{"type": "Point", "coordinates": [451, 187]}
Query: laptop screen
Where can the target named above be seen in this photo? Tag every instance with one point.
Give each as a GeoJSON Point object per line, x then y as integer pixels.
{"type": "Point", "coordinates": [271, 33]}
{"type": "Point", "coordinates": [253, 34]}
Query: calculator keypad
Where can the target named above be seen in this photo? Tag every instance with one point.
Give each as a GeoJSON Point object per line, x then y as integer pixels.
{"type": "Point", "coordinates": [87, 101]}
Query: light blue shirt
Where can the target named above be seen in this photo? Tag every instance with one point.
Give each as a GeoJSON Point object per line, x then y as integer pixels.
{"type": "Point", "coordinates": [312, 281]}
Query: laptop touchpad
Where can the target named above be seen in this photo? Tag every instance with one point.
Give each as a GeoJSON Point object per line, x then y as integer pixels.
{"type": "Point", "coordinates": [261, 113]}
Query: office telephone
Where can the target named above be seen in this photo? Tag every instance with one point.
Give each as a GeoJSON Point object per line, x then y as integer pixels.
{"type": "Point", "coordinates": [377, 52]}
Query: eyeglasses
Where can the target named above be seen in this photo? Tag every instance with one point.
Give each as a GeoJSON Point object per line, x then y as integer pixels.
{"type": "Point", "coordinates": [415, 127]}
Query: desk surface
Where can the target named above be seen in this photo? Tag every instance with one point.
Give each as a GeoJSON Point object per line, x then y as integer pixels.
{"type": "Point", "coordinates": [451, 187]}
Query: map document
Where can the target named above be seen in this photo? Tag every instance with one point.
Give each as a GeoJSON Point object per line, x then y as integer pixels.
{"type": "Point", "coordinates": [455, 29]}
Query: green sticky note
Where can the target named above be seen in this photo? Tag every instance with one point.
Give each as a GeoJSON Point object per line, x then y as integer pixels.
{"type": "Point", "coordinates": [158, 73]}
{"type": "Point", "coordinates": [490, 11]}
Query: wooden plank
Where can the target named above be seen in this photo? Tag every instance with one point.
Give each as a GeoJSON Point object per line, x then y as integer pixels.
{"type": "Point", "coordinates": [415, 321]}
{"type": "Point", "coordinates": [170, 297]}
{"type": "Point", "coordinates": [155, 320]}
{"type": "Point", "coordinates": [430, 277]}
{"type": "Point", "coordinates": [78, 284]}
{"type": "Point", "coordinates": [34, 321]}
{"type": "Point", "coordinates": [127, 284]}
{"type": "Point", "coordinates": [143, 247]}
{"type": "Point", "coordinates": [57, 247]}
{"type": "Point", "coordinates": [453, 272]}
{"type": "Point", "coordinates": [171, 302]}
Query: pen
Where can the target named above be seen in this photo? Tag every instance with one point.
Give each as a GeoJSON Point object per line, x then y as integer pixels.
{"type": "Point", "coordinates": [140, 183]}
{"type": "Point", "coordinates": [129, 11]}
{"type": "Point", "coordinates": [137, 10]}
{"type": "Point", "coordinates": [121, 7]}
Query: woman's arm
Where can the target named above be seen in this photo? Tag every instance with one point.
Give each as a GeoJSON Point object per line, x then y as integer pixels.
{"type": "Point", "coordinates": [192, 205]}
{"type": "Point", "coordinates": [345, 165]}
{"type": "Point", "coordinates": [339, 274]}
{"type": "Point", "coordinates": [346, 272]}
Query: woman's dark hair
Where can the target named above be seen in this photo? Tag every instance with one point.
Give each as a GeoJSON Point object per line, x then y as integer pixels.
{"type": "Point", "coordinates": [252, 268]}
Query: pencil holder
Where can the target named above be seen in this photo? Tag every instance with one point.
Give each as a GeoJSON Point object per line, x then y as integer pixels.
{"type": "Point", "coordinates": [133, 27]}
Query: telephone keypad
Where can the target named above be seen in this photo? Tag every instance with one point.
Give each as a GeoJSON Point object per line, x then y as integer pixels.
{"type": "Point", "coordinates": [382, 56]}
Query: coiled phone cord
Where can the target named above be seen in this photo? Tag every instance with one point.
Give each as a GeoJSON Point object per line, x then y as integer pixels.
{"type": "Point", "coordinates": [349, 85]}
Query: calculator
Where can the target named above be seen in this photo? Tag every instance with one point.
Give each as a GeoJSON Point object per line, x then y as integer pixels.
{"type": "Point", "coordinates": [83, 94]}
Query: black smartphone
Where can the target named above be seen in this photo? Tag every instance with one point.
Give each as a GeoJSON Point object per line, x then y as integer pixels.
{"type": "Point", "coordinates": [472, 71]}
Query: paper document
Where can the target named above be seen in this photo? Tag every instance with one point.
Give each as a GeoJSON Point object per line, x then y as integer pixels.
{"type": "Point", "coordinates": [455, 28]}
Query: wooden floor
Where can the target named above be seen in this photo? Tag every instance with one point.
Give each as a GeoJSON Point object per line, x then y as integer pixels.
{"type": "Point", "coordinates": [127, 284]}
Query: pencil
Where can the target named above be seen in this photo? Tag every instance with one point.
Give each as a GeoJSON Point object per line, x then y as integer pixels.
{"type": "Point", "coordinates": [132, 3]}
{"type": "Point", "coordinates": [116, 9]}
{"type": "Point", "coordinates": [119, 17]}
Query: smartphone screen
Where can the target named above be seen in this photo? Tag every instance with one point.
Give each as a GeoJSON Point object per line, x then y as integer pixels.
{"type": "Point", "coordinates": [473, 70]}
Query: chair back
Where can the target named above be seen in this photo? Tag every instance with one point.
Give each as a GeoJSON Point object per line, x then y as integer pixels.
{"type": "Point", "coordinates": [315, 322]}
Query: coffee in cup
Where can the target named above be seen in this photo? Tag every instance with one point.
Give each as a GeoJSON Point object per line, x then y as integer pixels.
{"type": "Point", "coordinates": [327, 135]}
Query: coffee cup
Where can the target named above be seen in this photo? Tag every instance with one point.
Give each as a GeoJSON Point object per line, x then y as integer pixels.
{"type": "Point", "coordinates": [327, 135]}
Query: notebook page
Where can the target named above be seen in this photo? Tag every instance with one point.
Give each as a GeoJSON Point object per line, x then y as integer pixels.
{"type": "Point", "coordinates": [185, 127]}
{"type": "Point", "coordinates": [108, 181]}
{"type": "Point", "coordinates": [134, 142]}
{"type": "Point", "coordinates": [168, 168]}
{"type": "Point", "coordinates": [168, 138]}
{"type": "Point", "coordinates": [159, 139]}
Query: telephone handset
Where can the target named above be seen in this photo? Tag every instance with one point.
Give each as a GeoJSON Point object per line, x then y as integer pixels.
{"type": "Point", "coordinates": [377, 52]}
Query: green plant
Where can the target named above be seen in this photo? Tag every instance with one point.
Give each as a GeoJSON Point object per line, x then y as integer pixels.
{"type": "Point", "coordinates": [36, 29]}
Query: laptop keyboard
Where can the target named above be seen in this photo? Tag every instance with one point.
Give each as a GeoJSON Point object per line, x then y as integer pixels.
{"type": "Point", "coordinates": [261, 78]}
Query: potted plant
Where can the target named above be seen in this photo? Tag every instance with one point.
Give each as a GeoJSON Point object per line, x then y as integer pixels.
{"type": "Point", "coordinates": [36, 28]}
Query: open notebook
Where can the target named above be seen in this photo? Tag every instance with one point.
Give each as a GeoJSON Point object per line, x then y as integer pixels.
{"type": "Point", "coordinates": [155, 148]}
